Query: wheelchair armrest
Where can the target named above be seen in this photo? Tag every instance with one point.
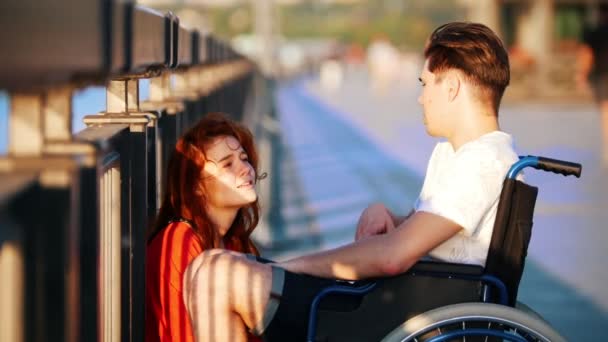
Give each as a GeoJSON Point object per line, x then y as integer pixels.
{"type": "Point", "coordinates": [446, 267]}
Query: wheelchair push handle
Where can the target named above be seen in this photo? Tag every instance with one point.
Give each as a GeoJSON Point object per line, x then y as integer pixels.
{"type": "Point", "coordinates": [565, 168]}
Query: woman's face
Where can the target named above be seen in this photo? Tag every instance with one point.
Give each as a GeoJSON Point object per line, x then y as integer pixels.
{"type": "Point", "coordinates": [228, 176]}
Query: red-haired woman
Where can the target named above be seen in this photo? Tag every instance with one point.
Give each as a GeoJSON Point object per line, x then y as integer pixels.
{"type": "Point", "coordinates": [209, 202]}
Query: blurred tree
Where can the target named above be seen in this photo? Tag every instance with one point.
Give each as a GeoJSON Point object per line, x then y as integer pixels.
{"type": "Point", "coordinates": [406, 23]}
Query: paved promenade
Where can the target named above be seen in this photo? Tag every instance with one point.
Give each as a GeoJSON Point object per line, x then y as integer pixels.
{"type": "Point", "coordinates": [346, 148]}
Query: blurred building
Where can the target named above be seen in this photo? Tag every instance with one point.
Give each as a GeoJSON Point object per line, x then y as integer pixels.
{"type": "Point", "coordinates": [542, 37]}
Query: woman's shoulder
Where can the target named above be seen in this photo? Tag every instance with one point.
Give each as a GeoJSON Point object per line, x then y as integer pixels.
{"type": "Point", "coordinates": [179, 235]}
{"type": "Point", "coordinates": [175, 230]}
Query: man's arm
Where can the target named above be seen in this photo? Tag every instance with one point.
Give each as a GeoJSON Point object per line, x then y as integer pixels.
{"type": "Point", "coordinates": [377, 219]}
{"type": "Point", "coordinates": [398, 220]}
{"type": "Point", "coordinates": [380, 255]}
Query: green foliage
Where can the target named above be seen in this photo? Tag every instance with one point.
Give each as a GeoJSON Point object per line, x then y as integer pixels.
{"type": "Point", "coordinates": [569, 21]}
{"type": "Point", "coordinates": [407, 23]}
{"type": "Point", "coordinates": [228, 22]}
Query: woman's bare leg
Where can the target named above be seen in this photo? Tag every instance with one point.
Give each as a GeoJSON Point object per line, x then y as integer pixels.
{"type": "Point", "coordinates": [225, 294]}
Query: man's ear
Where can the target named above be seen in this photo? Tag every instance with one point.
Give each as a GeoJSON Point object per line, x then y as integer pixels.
{"type": "Point", "coordinates": [453, 83]}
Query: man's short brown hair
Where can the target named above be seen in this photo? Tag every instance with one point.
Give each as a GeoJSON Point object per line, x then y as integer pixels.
{"type": "Point", "coordinates": [474, 50]}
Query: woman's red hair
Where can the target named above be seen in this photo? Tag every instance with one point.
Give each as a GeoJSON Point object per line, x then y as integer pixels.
{"type": "Point", "coordinates": [183, 198]}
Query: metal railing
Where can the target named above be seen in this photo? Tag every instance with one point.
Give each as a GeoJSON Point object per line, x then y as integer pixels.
{"type": "Point", "coordinates": [74, 208]}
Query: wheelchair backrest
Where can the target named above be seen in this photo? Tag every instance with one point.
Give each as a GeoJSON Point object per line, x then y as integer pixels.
{"type": "Point", "coordinates": [511, 235]}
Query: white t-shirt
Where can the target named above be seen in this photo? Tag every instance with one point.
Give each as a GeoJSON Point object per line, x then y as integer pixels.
{"type": "Point", "coordinates": [464, 186]}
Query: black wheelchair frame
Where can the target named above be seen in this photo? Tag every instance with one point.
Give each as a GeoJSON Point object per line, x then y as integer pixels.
{"type": "Point", "coordinates": [458, 290]}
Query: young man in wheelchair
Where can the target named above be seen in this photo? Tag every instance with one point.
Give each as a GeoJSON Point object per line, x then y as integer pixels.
{"type": "Point", "coordinates": [465, 73]}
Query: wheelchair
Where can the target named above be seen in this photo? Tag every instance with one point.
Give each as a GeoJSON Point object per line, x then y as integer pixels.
{"type": "Point", "coordinates": [438, 301]}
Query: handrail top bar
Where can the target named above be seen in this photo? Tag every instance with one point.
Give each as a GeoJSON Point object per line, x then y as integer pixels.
{"type": "Point", "coordinates": [150, 40]}
{"type": "Point", "coordinates": [19, 165]}
{"type": "Point", "coordinates": [199, 47]}
{"type": "Point", "coordinates": [102, 136]}
{"type": "Point", "coordinates": [151, 11]}
{"type": "Point", "coordinates": [36, 39]}
{"type": "Point", "coordinates": [185, 53]}
{"type": "Point", "coordinates": [12, 184]}
{"type": "Point", "coordinates": [94, 41]}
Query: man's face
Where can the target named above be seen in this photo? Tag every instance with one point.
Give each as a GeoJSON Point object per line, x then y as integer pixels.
{"type": "Point", "coordinates": [433, 99]}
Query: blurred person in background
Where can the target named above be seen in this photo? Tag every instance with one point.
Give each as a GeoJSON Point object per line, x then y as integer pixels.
{"type": "Point", "coordinates": [382, 63]}
{"type": "Point", "coordinates": [210, 202]}
{"type": "Point", "coordinates": [331, 75]}
{"type": "Point", "coordinates": [593, 71]}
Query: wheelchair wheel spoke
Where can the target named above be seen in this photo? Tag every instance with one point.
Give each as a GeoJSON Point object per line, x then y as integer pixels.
{"type": "Point", "coordinates": [487, 322]}
{"type": "Point", "coordinates": [489, 327]}
{"type": "Point", "coordinates": [464, 327]}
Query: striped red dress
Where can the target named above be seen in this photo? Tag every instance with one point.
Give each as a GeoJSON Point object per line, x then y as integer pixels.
{"type": "Point", "coordinates": [167, 256]}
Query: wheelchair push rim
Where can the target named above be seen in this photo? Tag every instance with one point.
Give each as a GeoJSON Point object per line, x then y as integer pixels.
{"type": "Point", "coordinates": [449, 323]}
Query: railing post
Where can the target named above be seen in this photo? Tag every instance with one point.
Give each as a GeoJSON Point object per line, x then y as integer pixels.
{"type": "Point", "coordinates": [12, 294]}
{"type": "Point", "coordinates": [49, 258]}
{"type": "Point", "coordinates": [80, 242]}
{"type": "Point", "coordinates": [78, 320]}
{"type": "Point", "coordinates": [139, 199]}
{"type": "Point", "coordinates": [169, 127]}
{"type": "Point", "coordinates": [25, 131]}
{"type": "Point", "coordinates": [135, 255]}
{"type": "Point", "coordinates": [184, 92]}
{"type": "Point", "coordinates": [122, 96]}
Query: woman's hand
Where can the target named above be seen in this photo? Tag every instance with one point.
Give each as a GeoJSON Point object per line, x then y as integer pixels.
{"type": "Point", "coordinates": [375, 220]}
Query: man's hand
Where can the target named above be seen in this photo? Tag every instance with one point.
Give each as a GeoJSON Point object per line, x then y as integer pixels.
{"type": "Point", "coordinates": [375, 220]}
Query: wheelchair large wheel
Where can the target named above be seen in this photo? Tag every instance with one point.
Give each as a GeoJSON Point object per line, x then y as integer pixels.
{"type": "Point", "coordinates": [483, 321]}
